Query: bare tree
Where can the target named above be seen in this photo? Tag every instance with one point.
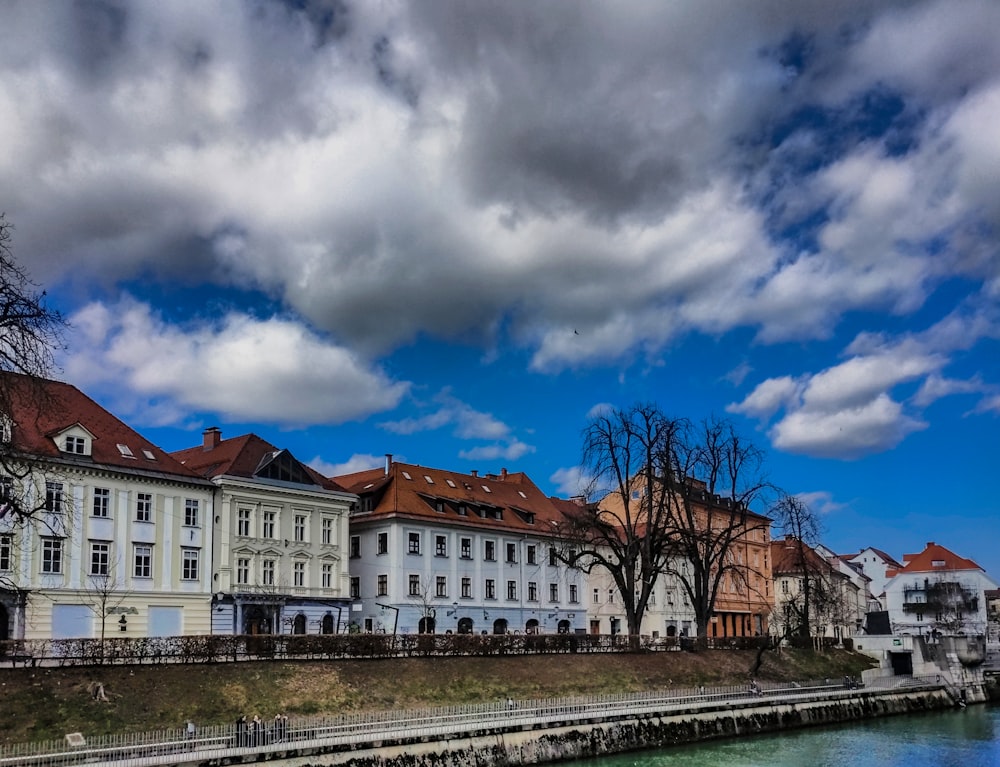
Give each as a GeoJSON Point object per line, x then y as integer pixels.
{"type": "Point", "coordinates": [626, 530]}
{"type": "Point", "coordinates": [801, 530]}
{"type": "Point", "coordinates": [425, 600]}
{"type": "Point", "coordinates": [30, 334]}
{"type": "Point", "coordinates": [711, 479]}
{"type": "Point", "coordinates": [104, 589]}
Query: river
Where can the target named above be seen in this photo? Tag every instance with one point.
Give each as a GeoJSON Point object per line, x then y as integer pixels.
{"type": "Point", "coordinates": [961, 738]}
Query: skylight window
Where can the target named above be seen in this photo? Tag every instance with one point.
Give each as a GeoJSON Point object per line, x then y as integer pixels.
{"type": "Point", "coordinates": [521, 493]}
{"type": "Point", "coordinates": [486, 488]}
{"type": "Point", "coordinates": [369, 485]}
{"type": "Point", "coordinates": [429, 480]}
{"type": "Point", "coordinates": [125, 450]}
{"type": "Point", "coordinates": [450, 483]}
{"type": "Point", "coordinates": [149, 454]}
{"type": "Point", "coordinates": [406, 474]}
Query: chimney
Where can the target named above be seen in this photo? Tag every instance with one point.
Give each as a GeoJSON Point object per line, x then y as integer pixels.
{"type": "Point", "coordinates": [211, 437]}
{"type": "Point", "coordinates": [474, 472]}
{"type": "Point", "coordinates": [503, 474]}
{"type": "Point", "coordinates": [388, 463]}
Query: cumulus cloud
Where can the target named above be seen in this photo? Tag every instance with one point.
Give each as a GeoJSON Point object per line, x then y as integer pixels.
{"type": "Point", "coordinates": [821, 501]}
{"type": "Point", "coordinates": [587, 182]}
{"type": "Point", "coordinates": [465, 423]}
{"type": "Point", "coordinates": [848, 410]}
{"type": "Point", "coordinates": [572, 481]}
{"type": "Point", "coordinates": [357, 462]}
{"type": "Point", "coordinates": [243, 368]}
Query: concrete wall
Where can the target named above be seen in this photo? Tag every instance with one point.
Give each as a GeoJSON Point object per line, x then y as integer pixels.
{"type": "Point", "coordinates": [578, 740]}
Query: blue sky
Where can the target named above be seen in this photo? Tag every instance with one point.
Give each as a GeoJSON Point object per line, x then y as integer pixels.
{"type": "Point", "coordinates": [448, 231]}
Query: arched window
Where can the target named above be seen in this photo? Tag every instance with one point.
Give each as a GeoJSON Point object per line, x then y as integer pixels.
{"type": "Point", "coordinates": [465, 626]}
{"type": "Point", "coordinates": [426, 625]}
{"type": "Point", "coordinates": [563, 627]}
{"type": "Point", "coordinates": [299, 625]}
{"type": "Point", "coordinates": [500, 626]}
{"type": "Point", "coordinates": [531, 627]}
{"type": "Point", "coordinates": [326, 627]}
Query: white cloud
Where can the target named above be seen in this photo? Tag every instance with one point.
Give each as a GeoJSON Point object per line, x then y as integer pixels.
{"type": "Point", "coordinates": [572, 481]}
{"type": "Point", "coordinates": [821, 501]}
{"type": "Point", "coordinates": [271, 370]}
{"type": "Point", "coordinates": [509, 451]}
{"type": "Point", "coordinates": [357, 462]}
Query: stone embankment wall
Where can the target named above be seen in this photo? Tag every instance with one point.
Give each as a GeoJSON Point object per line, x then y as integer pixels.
{"type": "Point", "coordinates": [504, 746]}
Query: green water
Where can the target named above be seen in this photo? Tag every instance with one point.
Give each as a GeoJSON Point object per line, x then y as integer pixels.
{"type": "Point", "coordinates": [961, 738]}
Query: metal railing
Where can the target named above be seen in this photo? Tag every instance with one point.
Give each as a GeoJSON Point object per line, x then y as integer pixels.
{"type": "Point", "coordinates": [347, 730]}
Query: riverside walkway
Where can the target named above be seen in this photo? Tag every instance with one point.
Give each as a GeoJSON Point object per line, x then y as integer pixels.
{"type": "Point", "coordinates": [226, 744]}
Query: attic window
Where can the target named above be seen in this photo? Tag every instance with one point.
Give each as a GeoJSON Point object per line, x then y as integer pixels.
{"type": "Point", "coordinates": [429, 480]}
{"type": "Point", "coordinates": [462, 510]}
{"type": "Point", "coordinates": [938, 563]}
{"type": "Point", "coordinates": [125, 450]}
{"type": "Point", "coordinates": [486, 489]}
{"type": "Point", "coordinates": [369, 485]}
{"type": "Point", "coordinates": [521, 493]}
{"type": "Point", "coordinates": [450, 483]}
{"type": "Point", "coordinates": [439, 506]}
{"type": "Point", "coordinates": [406, 474]}
{"type": "Point", "coordinates": [149, 455]}
{"type": "Point", "coordinates": [76, 445]}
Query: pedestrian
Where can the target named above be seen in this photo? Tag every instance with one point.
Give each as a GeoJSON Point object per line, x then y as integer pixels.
{"type": "Point", "coordinates": [510, 703]}
{"type": "Point", "coordinates": [256, 730]}
{"type": "Point", "coordinates": [189, 730]}
{"type": "Point", "coordinates": [241, 731]}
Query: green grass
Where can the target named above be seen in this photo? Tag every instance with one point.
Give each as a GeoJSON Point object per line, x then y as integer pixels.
{"type": "Point", "coordinates": [43, 703]}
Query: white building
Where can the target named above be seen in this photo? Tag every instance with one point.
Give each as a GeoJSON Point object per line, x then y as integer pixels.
{"type": "Point", "coordinates": [436, 551]}
{"type": "Point", "coordinates": [120, 535]}
{"type": "Point", "coordinates": [874, 564]}
{"type": "Point", "coordinates": [938, 592]}
{"type": "Point", "coordinates": [280, 555]}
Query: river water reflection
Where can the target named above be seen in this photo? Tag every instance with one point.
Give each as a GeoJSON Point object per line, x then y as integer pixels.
{"type": "Point", "coordinates": [961, 738]}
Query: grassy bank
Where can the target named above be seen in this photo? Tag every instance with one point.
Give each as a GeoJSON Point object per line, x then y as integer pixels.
{"type": "Point", "coordinates": [37, 704]}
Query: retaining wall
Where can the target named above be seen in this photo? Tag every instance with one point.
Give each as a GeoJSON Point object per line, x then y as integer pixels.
{"type": "Point", "coordinates": [593, 737]}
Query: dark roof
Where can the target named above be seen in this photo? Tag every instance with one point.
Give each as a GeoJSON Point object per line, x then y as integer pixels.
{"type": "Point", "coordinates": [788, 559]}
{"type": "Point", "coordinates": [246, 456]}
{"type": "Point", "coordinates": [42, 409]}
{"type": "Point", "coordinates": [414, 491]}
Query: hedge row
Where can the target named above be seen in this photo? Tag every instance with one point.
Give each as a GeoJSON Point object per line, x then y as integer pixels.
{"type": "Point", "coordinates": [221, 647]}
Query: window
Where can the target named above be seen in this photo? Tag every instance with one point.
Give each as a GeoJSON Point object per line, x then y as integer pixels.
{"type": "Point", "coordinates": [76, 445]}
{"type": "Point", "coordinates": [511, 553]}
{"type": "Point", "coordinates": [268, 520]}
{"type": "Point", "coordinates": [355, 587]}
{"type": "Point", "coordinates": [439, 506]}
{"type": "Point", "coordinates": [125, 451]}
{"type": "Point", "coordinates": [441, 546]}
{"type": "Point", "coordinates": [242, 571]}
{"type": "Point", "coordinates": [611, 596]}
{"type": "Point", "coordinates": [6, 488]}
{"type": "Point", "coordinates": [143, 562]}
{"type": "Point", "coordinates": [414, 586]}
{"type": "Point", "coordinates": [243, 523]}
{"type": "Point", "coordinates": [530, 555]}
{"type": "Point", "coordinates": [6, 547]}
{"type": "Point", "coordinates": [143, 507]}
{"type": "Point", "coordinates": [267, 572]}
{"type": "Point", "coordinates": [511, 589]}
{"type": "Point", "coordinates": [102, 502]}
{"type": "Point", "coordinates": [784, 585]}
{"type": "Point", "coordinates": [491, 589]}
{"type": "Point", "coordinates": [413, 543]}
{"type": "Point", "coordinates": [532, 591]}
{"type": "Point", "coordinates": [326, 575]}
{"type": "Point", "coordinates": [466, 548]}
{"type": "Point", "coordinates": [191, 509]}
{"type": "Point", "coordinates": [54, 497]}
{"type": "Point", "coordinates": [355, 546]}
{"type": "Point", "coordinates": [299, 574]}
{"type": "Point", "coordinates": [52, 551]}
{"type": "Point", "coordinates": [382, 543]}
{"type": "Point", "coordinates": [553, 592]}
{"type": "Point", "coordinates": [326, 531]}
{"type": "Point", "coordinates": [553, 560]}
{"type": "Point", "coordinates": [441, 586]}
{"type": "Point", "coordinates": [189, 564]}
{"type": "Point", "coordinates": [462, 510]}
{"type": "Point", "coordinates": [300, 528]}
{"type": "Point", "coordinates": [466, 588]}
{"type": "Point", "coordinates": [490, 551]}
{"type": "Point", "coordinates": [383, 586]}
{"type": "Point", "coordinates": [597, 596]}
{"type": "Point", "coordinates": [573, 597]}
{"type": "Point", "coordinates": [100, 556]}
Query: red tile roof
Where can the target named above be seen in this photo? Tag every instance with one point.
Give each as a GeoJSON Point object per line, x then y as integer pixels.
{"type": "Point", "coordinates": [42, 409]}
{"type": "Point", "coordinates": [934, 558]}
{"type": "Point", "coordinates": [412, 491]}
{"type": "Point", "coordinates": [786, 559]}
{"type": "Point", "coordinates": [240, 457]}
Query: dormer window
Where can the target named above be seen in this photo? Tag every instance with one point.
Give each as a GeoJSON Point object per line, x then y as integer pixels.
{"type": "Point", "coordinates": [77, 445]}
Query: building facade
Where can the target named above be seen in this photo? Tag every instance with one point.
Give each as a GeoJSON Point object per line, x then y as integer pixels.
{"type": "Point", "coordinates": [435, 551]}
{"type": "Point", "coordinates": [937, 592]}
{"type": "Point", "coordinates": [280, 562]}
{"type": "Point", "coordinates": [120, 534]}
